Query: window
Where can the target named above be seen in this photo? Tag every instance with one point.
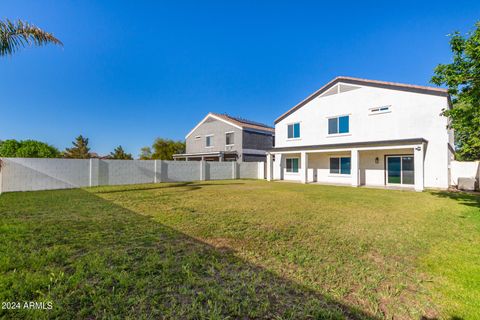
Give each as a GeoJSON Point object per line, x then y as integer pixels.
{"type": "Point", "coordinates": [340, 165]}
{"type": "Point", "coordinates": [209, 141]}
{"type": "Point", "coordinates": [383, 109]}
{"type": "Point", "coordinates": [338, 125]}
{"type": "Point", "coordinates": [229, 138]}
{"type": "Point", "coordinates": [294, 130]}
{"type": "Point", "coordinates": [292, 164]}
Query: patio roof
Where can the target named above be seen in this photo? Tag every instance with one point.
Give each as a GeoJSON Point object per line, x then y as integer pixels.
{"type": "Point", "coordinates": [352, 145]}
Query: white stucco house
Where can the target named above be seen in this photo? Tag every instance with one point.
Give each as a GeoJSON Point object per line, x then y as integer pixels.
{"type": "Point", "coordinates": [365, 132]}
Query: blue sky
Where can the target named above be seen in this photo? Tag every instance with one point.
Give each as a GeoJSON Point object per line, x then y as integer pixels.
{"type": "Point", "coordinates": [131, 71]}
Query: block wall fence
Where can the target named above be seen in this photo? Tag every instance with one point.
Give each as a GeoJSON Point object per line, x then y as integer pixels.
{"type": "Point", "coordinates": [30, 174]}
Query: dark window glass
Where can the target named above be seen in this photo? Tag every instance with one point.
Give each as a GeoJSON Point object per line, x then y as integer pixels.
{"type": "Point", "coordinates": [345, 165]}
{"type": "Point", "coordinates": [343, 124]}
{"type": "Point", "coordinates": [229, 138]}
{"type": "Point", "coordinates": [332, 126]}
{"type": "Point", "coordinates": [394, 169]}
{"type": "Point", "coordinates": [292, 165]}
{"type": "Point", "coordinates": [296, 130]}
{"type": "Point", "coordinates": [408, 173]}
{"type": "Point", "coordinates": [295, 165]}
{"type": "Point", "coordinates": [208, 141]}
{"type": "Point", "coordinates": [334, 165]}
{"type": "Point", "coordinates": [340, 165]}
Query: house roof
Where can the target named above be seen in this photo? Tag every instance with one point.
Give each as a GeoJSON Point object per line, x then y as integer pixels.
{"type": "Point", "coordinates": [367, 82]}
{"type": "Point", "coordinates": [244, 123]}
{"type": "Point", "coordinates": [236, 122]}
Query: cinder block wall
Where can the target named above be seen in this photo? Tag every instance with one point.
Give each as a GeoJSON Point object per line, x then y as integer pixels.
{"type": "Point", "coordinates": [22, 174]}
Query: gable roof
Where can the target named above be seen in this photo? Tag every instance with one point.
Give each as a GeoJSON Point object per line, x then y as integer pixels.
{"type": "Point", "coordinates": [237, 122]}
{"type": "Point", "coordinates": [366, 82]}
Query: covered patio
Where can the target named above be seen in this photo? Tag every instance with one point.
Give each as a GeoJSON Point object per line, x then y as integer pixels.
{"type": "Point", "coordinates": [208, 156]}
{"type": "Point", "coordinates": [398, 164]}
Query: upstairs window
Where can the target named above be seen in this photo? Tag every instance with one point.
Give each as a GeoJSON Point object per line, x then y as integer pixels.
{"type": "Point", "coordinates": [229, 138]}
{"type": "Point", "coordinates": [339, 125]}
{"type": "Point", "coordinates": [294, 130]}
{"type": "Point", "coordinates": [292, 164]}
{"type": "Point", "coordinates": [340, 165]}
{"type": "Point", "coordinates": [209, 141]}
{"type": "Point", "coordinates": [378, 110]}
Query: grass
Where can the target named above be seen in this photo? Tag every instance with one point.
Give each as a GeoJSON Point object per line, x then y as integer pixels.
{"type": "Point", "coordinates": [241, 249]}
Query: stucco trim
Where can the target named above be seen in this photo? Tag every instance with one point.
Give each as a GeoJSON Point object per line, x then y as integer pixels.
{"type": "Point", "coordinates": [370, 83]}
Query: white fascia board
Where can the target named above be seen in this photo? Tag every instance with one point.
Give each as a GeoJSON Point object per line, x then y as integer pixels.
{"type": "Point", "coordinates": [214, 117]}
{"type": "Point", "coordinates": [386, 147]}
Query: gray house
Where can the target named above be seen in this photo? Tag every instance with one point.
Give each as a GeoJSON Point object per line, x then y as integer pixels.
{"type": "Point", "coordinates": [220, 137]}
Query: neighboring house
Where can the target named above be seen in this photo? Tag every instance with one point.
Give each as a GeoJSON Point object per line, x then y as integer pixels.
{"type": "Point", "coordinates": [220, 137]}
{"type": "Point", "coordinates": [365, 132]}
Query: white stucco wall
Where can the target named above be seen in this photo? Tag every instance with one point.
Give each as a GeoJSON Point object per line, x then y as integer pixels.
{"type": "Point", "coordinates": [464, 169]}
{"type": "Point", "coordinates": [413, 115]}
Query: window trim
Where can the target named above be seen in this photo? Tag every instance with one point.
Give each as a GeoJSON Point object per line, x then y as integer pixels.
{"type": "Point", "coordinates": [338, 134]}
{"type": "Point", "coordinates": [299, 129]}
{"type": "Point", "coordinates": [232, 144]}
{"type": "Point", "coordinates": [298, 165]}
{"type": "Point", "coordinates": [339, 174]}
{"type": "Point", "coordinates": [211, 140]}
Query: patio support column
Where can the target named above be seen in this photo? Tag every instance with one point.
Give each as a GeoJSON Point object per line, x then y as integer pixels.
{"type": "Point", "coordinates": [354, 167]}
{"type": "Point", "coordinates": [278, 166]}
{"type": "Point", "coordinates": [304, 167]}
{"type": "Point", "coordinates": [418, 158]}
{"type": "Point", "coordinates": [269, 167]}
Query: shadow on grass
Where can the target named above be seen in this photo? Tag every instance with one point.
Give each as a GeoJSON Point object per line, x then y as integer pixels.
{"type": "Point", "coordinates": [95, 259]}
{"type": "Point", "coordinates": [465, 198]}
{"type": "Point", "coordinates": [188, 185]}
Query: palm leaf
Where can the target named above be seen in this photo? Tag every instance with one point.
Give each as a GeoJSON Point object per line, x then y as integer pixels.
{"type": "Point", "coordinates": [16, 35]}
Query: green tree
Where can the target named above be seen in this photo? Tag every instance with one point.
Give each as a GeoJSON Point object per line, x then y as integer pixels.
{"type": "Point", "coordinates": [28, 149]}
{"type": "Point", "coordinates": [145, 153]}
{"type": "Point", "coordinates": [19, 34]}
{"type": "Point", "coordinates": [163, 149]}
{"type": "Point", "coordinates": [120, 154]}
{"type": "Point", "coordinates": [9, 148]}
{"type": "Point", "coordinates": [80, 149]}
{"type": "Point", "coordinates": [462, 77]}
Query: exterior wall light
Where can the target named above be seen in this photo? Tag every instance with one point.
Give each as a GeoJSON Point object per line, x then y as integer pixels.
{"type": "Point", "coordinates": [376, 160]}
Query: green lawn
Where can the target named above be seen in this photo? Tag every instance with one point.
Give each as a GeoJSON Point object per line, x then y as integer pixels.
{"type": "Point", "coordinates": [241, 249]}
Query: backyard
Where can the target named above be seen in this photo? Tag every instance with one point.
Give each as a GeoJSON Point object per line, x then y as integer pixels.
{"type": "Point", "coordinates": [241, 249]}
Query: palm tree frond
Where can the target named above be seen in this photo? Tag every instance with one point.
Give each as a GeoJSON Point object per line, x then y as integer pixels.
{"type": "Point", "coordinates": [15, 35]}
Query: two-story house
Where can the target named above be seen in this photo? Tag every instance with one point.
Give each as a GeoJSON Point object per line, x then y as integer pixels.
{"type": "Point", "coordinates": [220, 137]}
{"type": "Point", "coordinates": [365, 132]}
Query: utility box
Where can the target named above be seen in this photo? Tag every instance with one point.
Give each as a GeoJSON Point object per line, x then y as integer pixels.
{"type": "Point", "coordinates": [467, 184]}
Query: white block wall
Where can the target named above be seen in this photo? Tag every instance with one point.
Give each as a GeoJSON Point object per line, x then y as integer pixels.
{"type": "Point", "coordinates": [219, 170]}
{"type": "Point", "coordinates": [464, 169]}
{"type": "Point", "coordinates": [22, 174]}
{"type": "Point", "coordinates": [250, 170]}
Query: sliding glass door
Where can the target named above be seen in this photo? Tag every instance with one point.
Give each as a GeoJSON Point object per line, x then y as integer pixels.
{"type": "Point", "coordinates": [400, 170]}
